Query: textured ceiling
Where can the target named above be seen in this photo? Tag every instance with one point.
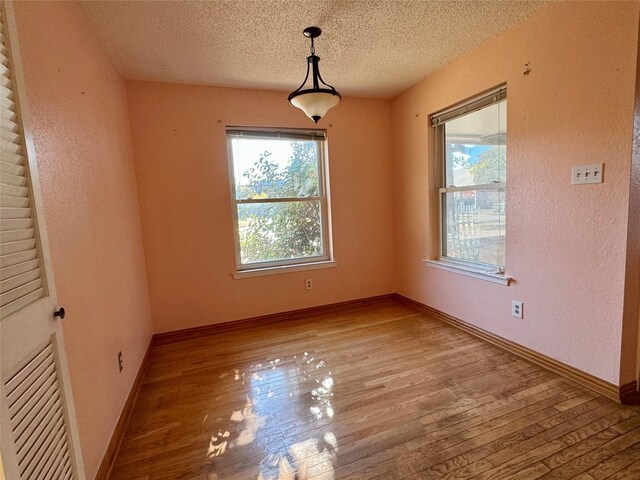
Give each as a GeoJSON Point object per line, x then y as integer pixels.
{"type": "Point", "coordinates": [371, 48]}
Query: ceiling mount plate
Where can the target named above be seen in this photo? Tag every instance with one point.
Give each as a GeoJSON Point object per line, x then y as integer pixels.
{"type": "Point", "coordinates": [312, 32]}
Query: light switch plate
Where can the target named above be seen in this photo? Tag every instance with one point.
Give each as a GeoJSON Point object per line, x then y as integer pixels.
{"type": "Point", "coordinates": [584, 174]}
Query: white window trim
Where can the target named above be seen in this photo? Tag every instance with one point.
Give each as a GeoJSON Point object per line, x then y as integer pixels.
{"type": "Point", "coordinates": [293, 264]}
{"type": "Point", "coordinates": [470, 269]}
{"type": "Point", "coordinates": [483, 271]}
{"type": "Point", "coordinates": [300, 267]}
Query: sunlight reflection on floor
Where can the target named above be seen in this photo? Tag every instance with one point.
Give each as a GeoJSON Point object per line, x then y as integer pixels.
{"type": "Point", "coordinates": [285, 421]}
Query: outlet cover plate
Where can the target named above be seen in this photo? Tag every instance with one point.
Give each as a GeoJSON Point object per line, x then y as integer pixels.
{"type": "Point", "coordinates": [516, 309]}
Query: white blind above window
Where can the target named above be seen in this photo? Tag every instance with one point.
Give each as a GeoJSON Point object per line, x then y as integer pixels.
{"type": "Point", "coordinates": [21, 279]}
{"type": "Point", "coordinates": [285, 134]}
{"type": "Point", "coordinates": [469, 106]}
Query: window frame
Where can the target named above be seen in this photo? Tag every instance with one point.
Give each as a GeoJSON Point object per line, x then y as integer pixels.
{"type": "Point", "coordinates": [438, 121]}
{"type": "Point", "coordinates": [319, 137]}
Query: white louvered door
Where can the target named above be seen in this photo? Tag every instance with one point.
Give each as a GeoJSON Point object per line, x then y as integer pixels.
{"type": "Point", "coordinates": [38, 435]}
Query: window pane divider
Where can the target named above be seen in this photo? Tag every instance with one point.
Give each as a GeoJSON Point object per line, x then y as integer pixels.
{"type": "Point", "coordinates": [466, 188]}
{"type": "Point", "coordinates": [278, 200]}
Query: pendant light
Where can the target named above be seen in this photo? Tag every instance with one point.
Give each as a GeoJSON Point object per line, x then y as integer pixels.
{"type": "Point", "coordinates": [320, 97]}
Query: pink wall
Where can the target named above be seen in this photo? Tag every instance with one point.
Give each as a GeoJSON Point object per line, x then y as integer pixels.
{"type": "Point", "coordinates": [566, 244]}
{"type": "Point", "coordinates": [183, 183]}
{"type": "Point", "coordinates": [631, 349]}
{"type": "Point", "coordinates": [81, 130]}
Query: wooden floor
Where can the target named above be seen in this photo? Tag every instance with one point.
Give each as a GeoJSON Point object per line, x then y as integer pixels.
{"type": "Point", "coordinates": [378, 391]}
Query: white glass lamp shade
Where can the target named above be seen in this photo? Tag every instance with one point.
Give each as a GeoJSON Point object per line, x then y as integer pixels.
{"type": "Point", "coordinates": [315, 104]}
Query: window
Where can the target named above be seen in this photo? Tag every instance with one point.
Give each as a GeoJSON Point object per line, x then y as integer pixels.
{"type": "Point", "coordinates": [279, 194]}
{"type": "Point", "coordinates": [472, 152]}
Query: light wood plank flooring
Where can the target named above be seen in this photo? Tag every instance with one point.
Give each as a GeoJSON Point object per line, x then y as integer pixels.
{"type": "Point", "coordinates": [371, 392]}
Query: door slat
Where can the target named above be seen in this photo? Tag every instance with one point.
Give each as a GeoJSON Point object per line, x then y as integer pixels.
{"type": "Point", "coordinates": [12, 201]}
{"type": "Point", "coordinates": [19, 246]}
{"type": "Point", "coordinates": [21, 291]}
{"type": "Point", "coordinates": [14, 282]}
{"type": "Point", "coordinates": [20, 303]}
{"type": "Point", "coordinates": [13, 270]}
{"type": "Point", "coordinates": [15, 258]}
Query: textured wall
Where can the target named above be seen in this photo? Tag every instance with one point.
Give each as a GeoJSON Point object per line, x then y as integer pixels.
{"type": "Point", "coordinates": [81, 130]}
{"type": "Point", "coordinates": [566, 244]}
{"type": "Point", "coordinates": [630, 364]}
{"type": "Point", "coordinates": [183, 182]}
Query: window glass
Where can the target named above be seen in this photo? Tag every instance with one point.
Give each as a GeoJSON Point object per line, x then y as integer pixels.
{"type": "Point", "coordinates": [266, 168]}
{"type": "Point", "coordinates": [476, 147]}
{"type": "Point", "coordinates": [475, 224]}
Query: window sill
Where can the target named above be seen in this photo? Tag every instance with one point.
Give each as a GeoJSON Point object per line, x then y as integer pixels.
{"type": "Point", "coordinates": [300, 267]}
{"type": "Point", "coordinates": [469, 271]}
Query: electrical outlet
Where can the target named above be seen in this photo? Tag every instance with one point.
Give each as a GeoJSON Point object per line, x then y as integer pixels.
{"type": "Point", "coordinates": [516, 309]}
{"type": "Point", "coordinates": [120, 362]}
{"type": "Point", "coordinates": [584, 174]}
{"type": "Point", "coordinates": [308, 284]}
